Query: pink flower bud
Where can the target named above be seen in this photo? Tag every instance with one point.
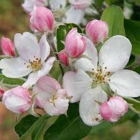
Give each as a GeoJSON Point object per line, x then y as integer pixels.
{"type": "Point", "coordinates": [97, 30]}
{"type": "Point", "coordinates": [80, 4]}
{"type": "Point", "coordinates": [7, 47]}
{"type": "Point", "coordinates": [17, 99]}
{"type": "Point", "coordinates": [1, 92]}
{"type": "Point", "coordinates": [75, 44]}
{"type": "Point", "coordinates": [63, 57]}
{"type": "Point", "coordinates": [114, 109]}
{"type": "Point", "coordinates": [41, 19]}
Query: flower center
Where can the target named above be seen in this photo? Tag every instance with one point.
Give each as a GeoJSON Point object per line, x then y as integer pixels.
{"type": "Point", "coordinates": [53, 98]}
{"type": "Point", "coordinates": [35, 65]}
{"type": "Point", "coordinates": [101, 76]}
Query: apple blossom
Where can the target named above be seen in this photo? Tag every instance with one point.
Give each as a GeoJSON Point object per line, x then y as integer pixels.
{"type": "Point", "coordinates": [50, 96]}
{"type": "Point", "coordinates": [80, 4]}
{"type": "Point", "coordinates": [113, 109]}
{"type": "Point", "coordinates": [97, 30]}
{"type": "Point", "coordinates": [41, 19]}
{"type": "Point", "coordinates": [17, 99]}
{"type": "Point", "coordinates": [7, 46]}
{"type": "Point", "coordinates": [29, 4]}
{"type": "Point", "coordinates": [105, 70]}
{"type": "Point", "coordinates": [75, 44]}
{"type": "Point", "coordinates": [31, 60]}
{"type": "Point", "coordinates": [63, 57]}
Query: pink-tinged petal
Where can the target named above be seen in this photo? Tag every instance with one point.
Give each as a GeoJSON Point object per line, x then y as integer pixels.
{"type": "Point", "coordinates": [125, 83]}
{"type": "Point", "coordinates": [89, 106]}
{"type": "Point", "coordinates": [75, 44]}
{"type": "Point", "coordinates": [89, 63]}
{"type": "Point", "coordinates": [113, 109]}
{"type": "Point", "coordinates": [41, 19]}
{"type": "Point", "coordinates": [76, 84]}
{"type": "Point", "coordinates": [48, 84]}
{"type": "Point", "coordinates": [14, 67]}
{"type": "Point", "coordinates": [17, 99]}
{"type": "Point", "coordinates": [115, 53]}
{"type": "Point", "coordinates": [7, 46]}
{"type": "Point", "coordinates": [27, 46]}
{"type": "Point", "coordinates": [50, 109]}
{"type": "Point", "coordinates": [74, 15]}
{"type": "Point", "coordinates": [62, 105]}
{"type": "Point", "coordinates": [97, 30]}
{"type": "Point", "coordinates": [44, 48]}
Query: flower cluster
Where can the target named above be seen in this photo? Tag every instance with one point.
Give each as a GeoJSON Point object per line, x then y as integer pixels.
{"type": "Point", "coordinates": [94, 78]}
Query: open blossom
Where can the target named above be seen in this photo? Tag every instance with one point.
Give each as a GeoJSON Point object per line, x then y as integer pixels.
{"type": "Point", "coordinates": [50, 96]}
{"type": "Point", "coordinates": [29, 4]}
{"type": "Point", "coordinates": [113, 109]}
{"type": "Point", "coordinates": [97, 31]}
{"type": "Point", "coordinates": [80, 4]}
{"type": "Point", "coordinates": [75, 44]}
{"type": "Point", "coordinates": [105, 70]}
{"type": "Point", "coordinates": [7, 46]}
{"type": "Point", "coordinates": [41, 19]}
{"type": "Point", "coordinates": [17, 99]}
{"type": "Point", "coordinates": [31, 60]}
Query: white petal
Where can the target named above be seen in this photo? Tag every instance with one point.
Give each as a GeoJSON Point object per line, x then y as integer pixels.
{"type": "Point", "coordinates": [31, 80]}
{"type": "Point", "coordinates": [89, 108]}
{"type": "Point", "coordinates": [115, 53]}
{"type": "Point", "coordinates": [56, 4]}
{"type": "Point", "coordinates": [84, 64]}
{"type": "Point", "coordinates": [62, 105]}
{"type": "Point", "coordinates": [27, 46]}
{"type": "Point", "coordinates": [44, 48]}
{"type": "Point", "coordinates": [76, 83]}
{"type": "Point", "coordinates": [74, 15]}
{"type": "Point", "coordinates": [125, 83]}
{"type": "Point", "coordinates": [89, 63]}
{"type": "Point", "coordinates": [50, 109]}
{"type": "Point", "coordinates": [14, 67]}
{"type": "Point", "coordinates": [47, 66]}
{"type": "Point", "coordinates": [91, 52]}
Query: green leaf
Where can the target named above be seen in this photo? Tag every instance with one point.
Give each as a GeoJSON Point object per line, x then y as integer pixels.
{"type": "Point", "coordinates": [22, 127]}
{"type": "Point", "coordinates": [113, 15]}
{"type": "Point", "coordinates": [38, 132]}
{"type": "Point", "coordinates": [137, 69]}
{"type": "Point", "coordinates": [29, 126]}
{"type": "Point", "coordinates": [98, 3]}
{"type": "Point", "coordinates": [68, 128]}
{"type": "Point", "coordinates": [137, 2]}
{"type": "Point", "coordinates": [11, 81]}
{"type": "Point", "coordinates": [134, 104]}
{"type": "Point", "coordinates": [62, 31]}
{"type": "Point", "coordinates": [132, 29]}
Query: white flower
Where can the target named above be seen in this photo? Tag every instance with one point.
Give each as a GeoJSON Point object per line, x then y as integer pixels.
{"type": "Point", "coordinates": [31, 60]}
{"type": "Point", "coordinates": [67, 14]}
{"type": "Point", "coordinates": [50, 96]}
{"type": "Point", "coordinates": [107, 69]}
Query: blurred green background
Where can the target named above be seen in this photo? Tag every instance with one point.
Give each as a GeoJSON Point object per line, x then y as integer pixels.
{"type": "Point", "coordinates": [13, 19]}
